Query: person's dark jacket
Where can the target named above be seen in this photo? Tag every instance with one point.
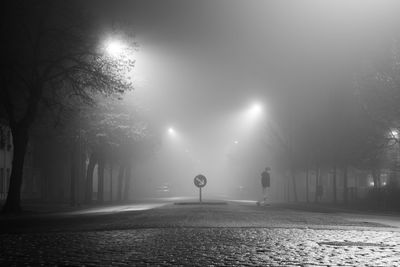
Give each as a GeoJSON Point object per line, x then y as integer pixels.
{"type": "Point", "coordinates": [265, 179]}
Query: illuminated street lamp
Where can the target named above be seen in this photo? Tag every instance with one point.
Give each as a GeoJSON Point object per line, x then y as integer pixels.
{"type": "Point", "coordinates": [394, 133]}
{"type": "Point", "coordinates": [171, 131]}
{"type": "Point", "coordinates": [173, 134]}
{"type": "Point", "coordinates": [114, 47]}
{"type": "Point", "coordinates": [255, 110]}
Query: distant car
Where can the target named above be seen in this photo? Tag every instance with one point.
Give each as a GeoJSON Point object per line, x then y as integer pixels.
{"type": "Point", "coordinates": [163, 189]}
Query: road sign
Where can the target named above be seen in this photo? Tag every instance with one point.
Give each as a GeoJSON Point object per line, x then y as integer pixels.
{"type": "Point", "coordinates": [200, 181]}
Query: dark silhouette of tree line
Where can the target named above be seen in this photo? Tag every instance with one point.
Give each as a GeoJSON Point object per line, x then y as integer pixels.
{"type": "Point", "coordinates": [354, 127]}
{"type": "Point", "coordinates": [53, 67]}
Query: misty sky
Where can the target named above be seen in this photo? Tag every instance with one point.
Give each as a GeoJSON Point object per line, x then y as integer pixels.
{"type": "Point", "coordinates": [202, 63]}
{"type": "Point", "coordinates": [205, 58]}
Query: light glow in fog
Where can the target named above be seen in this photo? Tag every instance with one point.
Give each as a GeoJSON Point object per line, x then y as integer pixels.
{"type": "Point", "coordinates": [114, 47]}
{"type": "Point", "coordinates": [255, 110]}
{"type": "Point", "coordinates": [171, 131]}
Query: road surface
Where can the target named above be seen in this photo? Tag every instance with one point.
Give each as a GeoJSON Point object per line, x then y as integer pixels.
{"type": "Point", "coordinates": [219, 234]}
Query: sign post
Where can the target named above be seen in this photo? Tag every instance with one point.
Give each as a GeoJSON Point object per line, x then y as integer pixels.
{"type": "Point", "coordinates": [200, 194]}
{"type": "Point", "coordinates": [200, 181]}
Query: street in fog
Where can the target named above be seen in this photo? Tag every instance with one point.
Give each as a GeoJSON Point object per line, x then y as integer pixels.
{"type": "Point", "coordinates": [200, 132]}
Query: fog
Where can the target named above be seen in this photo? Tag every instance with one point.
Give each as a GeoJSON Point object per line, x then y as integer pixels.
{"type": "Point", "coordinates": [201, 66]}
{"type": "Point", "coordinates": [200, 132]}
{"type": "Point", "coordinates": [228, 149]}
{"type": "Point", "coordinates": [221, 88]}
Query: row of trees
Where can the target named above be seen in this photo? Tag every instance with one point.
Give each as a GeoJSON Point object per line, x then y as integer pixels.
{"type": "Point", "coordinates": [115, 135]}
{"type": "Point", "coordinates": [355, 128]}
{"type": "Point", "coordinates": [54, 73]}
{"type": "Point", "coordinates": [109, 136]}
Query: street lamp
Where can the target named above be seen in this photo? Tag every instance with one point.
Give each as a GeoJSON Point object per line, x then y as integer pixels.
{"type": "Point", "coordinates": [114, 47]}
{"type": "Point", "coordinates": [255, 110]}
{"type": "Point", "coordinates": [120, 56]}
{"type": "Point", "coordinates": [171, 131]}
{"type": "Point", "coordinates": [394, 133]}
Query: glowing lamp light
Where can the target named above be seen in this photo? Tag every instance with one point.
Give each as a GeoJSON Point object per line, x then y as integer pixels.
{"type": "Point", "coordinates": [236, 142]}
{"type": "Point", "coordinates": [114, 48]}
{"type": "Point", "coordinates": [255, 110]}
{"type": "Point", "coordinates": [171, 131]}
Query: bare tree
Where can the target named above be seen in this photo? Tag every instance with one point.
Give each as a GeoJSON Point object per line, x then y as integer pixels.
{"type": "Point", "coordinates": [51, 53]}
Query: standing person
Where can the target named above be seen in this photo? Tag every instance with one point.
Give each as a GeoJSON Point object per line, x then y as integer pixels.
{"type": "Point", "coordinates": [265, 182]}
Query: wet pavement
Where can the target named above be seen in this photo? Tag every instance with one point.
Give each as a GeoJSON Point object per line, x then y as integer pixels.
{"type": "Point", "coordinates": [201, 235]}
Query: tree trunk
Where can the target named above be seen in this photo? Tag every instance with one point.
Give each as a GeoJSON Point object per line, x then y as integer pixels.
{"type": "Point", "coordinates": [293, 175]}
{"type": "Point", "coordinates": [82, 170]}
{"type": "Point", "coordinates": [376, 177]}
{"type": "Point", "coordinates": [307, 189]}
{"type": "Point", "coordinates": [127, 182]}
{"type": "Point", "coordinates": [45, 185]}
{"type": "Point", "coordinates": [345, 188]}
{"type": "Point", "coordinates": [334, 184]}
{"type": "Point", "coordinates": [89, 177]}
{"type": "Point", "coordinates": [74, 175]}
{"type": "Point", "coordinates": [317, 174]}
{"type": "Point", "coordinates": [120, 182]}
{"type": "Point", "coordinates": [111, 181]}
{"type": "Point", "coordinates": [100, 171]}
{"type": "Point", "coordinates": [20, 143]}
{"type": "Point", "coordinates": [287, 187]}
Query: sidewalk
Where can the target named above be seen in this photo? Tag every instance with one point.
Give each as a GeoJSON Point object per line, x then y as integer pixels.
{"type": "Point", "coordinates": [354, 214]}
{"type": "Point", "coordinates": [337, 208]}
{"type": "Point", "coordinates": [38, 209]}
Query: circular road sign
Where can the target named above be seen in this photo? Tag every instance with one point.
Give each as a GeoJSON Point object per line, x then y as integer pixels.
{"type": "Point", "coordinates": [200, 181]}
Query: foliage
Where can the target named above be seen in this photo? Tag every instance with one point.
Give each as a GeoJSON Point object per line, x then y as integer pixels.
{"type": "Point", "coordinates": [52, 56]}
{"type": "Point", "coordinates": [378, 89]}
{"type": "Point", "coordinates": [117, 127]}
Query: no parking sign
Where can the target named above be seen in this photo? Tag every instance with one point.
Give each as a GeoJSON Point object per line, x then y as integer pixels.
{"type": "Point", "coordinates": [200, 181]}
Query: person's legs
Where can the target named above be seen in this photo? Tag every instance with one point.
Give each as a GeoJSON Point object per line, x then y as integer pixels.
{"type": "Point", "coordinates": [264, 194]}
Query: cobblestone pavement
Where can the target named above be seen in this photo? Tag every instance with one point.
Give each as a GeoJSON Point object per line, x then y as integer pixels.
{"type": "Point", "coordinates": [225, 236]}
